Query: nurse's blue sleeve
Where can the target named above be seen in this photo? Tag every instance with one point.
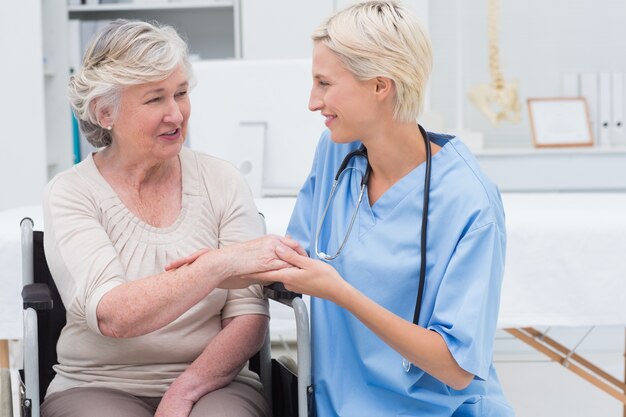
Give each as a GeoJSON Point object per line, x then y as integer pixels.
{"type": "Point", "coordinates": [466, 309]}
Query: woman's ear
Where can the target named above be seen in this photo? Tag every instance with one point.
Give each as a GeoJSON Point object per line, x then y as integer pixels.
{"type": "Point", "coordinates": [384, 87]}
{"type": "Point", "coordinates": [103, 114]}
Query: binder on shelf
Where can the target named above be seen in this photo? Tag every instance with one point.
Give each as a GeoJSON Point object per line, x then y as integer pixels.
{"type": "Point", "coordinates": [87, 30]}
{"type": "Point", "coordinates": [570, 85]}
{"type": "Point", "coordinates": [76, 140]}
{"type": "Point", "coordinates": [604, 108]}
{"type": "Point", "coordinates": [589, 90]}
{"type": "Point", "coordinates": [617, 122]}
{"type": "Point", "coordinates": [75, 51]}
{"type": "Point", "coordinates": [102, 23]}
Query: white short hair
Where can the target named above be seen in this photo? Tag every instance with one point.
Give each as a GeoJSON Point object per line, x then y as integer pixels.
{"type": "Point", "coordinates": [122, 53]}
{"type": "Point", "coordinates": [382, 38]}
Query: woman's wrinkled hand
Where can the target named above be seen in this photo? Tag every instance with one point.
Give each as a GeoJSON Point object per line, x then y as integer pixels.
{"type": "Point", "coordinates": [173, 405]}
{"type": "Point", "coordinates": [245, 259]}
{"type": "Point", "coordinates": [258, 255]}
{"type": "Point", "coordinates": [187, 259]}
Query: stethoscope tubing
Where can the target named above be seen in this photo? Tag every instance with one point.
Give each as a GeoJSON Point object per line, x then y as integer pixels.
{"type": "Point", "coordinates": [424, 231]}
{"type": "Point", "coordinates": [323, 255]}
{"type": "Point", "coordinates": [362, 151]}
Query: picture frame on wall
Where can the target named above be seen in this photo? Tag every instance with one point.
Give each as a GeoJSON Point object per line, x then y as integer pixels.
{"type": "Point", "coordinates": [560, 121]}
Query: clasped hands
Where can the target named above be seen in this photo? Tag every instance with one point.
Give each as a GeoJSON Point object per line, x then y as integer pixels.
{"type": "Point", "coordinates": [270, 259]}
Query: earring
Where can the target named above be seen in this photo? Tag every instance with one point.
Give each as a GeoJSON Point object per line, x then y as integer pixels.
{"type": "Point", "coordinates": [109, 127]}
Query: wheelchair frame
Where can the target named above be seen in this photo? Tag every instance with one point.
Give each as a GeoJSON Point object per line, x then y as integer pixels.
{"type": "Point", "coordinates": [37, 297]}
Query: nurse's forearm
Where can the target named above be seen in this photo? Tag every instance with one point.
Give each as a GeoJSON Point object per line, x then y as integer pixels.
{"type": "Point", "coordinates": [424, 348]}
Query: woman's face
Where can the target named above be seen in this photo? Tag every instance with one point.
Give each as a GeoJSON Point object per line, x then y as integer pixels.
{"type": "Point", "coordinates": [152, 121]}
{"type": "Point", "coordinates": [349, 105]}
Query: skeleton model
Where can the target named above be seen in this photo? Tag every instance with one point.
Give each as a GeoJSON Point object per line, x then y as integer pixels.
{"type": "Point", "coordinates": [499, 100]}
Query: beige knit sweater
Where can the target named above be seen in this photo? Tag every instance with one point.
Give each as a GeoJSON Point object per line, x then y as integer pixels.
{"type": "Point", "coordinates": [94, 243]}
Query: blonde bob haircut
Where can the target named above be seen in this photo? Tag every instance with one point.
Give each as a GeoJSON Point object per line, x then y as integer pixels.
{"type": "Point", "coordinates": [121, 54]}
{"type": "Point", "coordinates": [382, 39]}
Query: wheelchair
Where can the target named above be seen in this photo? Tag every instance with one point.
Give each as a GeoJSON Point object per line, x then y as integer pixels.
{"type": "Point", "coordinates": [286, 386]}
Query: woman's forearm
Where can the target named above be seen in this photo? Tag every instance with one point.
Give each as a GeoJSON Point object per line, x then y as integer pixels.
{"type": "Point", "coordinates": [144, 305]}
{"type": "Point", "coordinates": [147, 304]}
{"type": "Point", "coordinates": [223, 358]}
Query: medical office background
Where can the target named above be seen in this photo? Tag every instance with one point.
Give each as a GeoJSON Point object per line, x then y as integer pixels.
{"type": "Point", "coordinates": [250, 106]}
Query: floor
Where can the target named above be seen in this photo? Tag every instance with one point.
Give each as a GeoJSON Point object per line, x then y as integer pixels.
{"type": "Point", "coordinates": [537, 387]}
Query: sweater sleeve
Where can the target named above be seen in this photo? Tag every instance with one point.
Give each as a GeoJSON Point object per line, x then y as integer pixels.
{"type": "Point", "coordinates": [81, 257]}
{"type": "Point", "coordinates": [240, 221]}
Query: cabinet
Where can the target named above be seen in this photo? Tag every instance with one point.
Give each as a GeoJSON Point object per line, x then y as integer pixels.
{"type": "Point", "coordinates": [211, 28]}
{"type": "Point", "coordinates": [23, 158]}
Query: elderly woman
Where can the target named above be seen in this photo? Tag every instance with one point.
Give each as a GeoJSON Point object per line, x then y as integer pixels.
{"type": "Point", "coordinates": [140, 341]}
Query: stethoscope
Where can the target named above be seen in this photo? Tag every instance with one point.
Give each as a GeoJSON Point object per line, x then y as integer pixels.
{"type": "Point", "coordinates": [362, 151]}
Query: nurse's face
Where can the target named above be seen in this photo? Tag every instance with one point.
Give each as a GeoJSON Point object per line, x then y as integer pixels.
{"type": "Point", "coordinates": [349, 105]}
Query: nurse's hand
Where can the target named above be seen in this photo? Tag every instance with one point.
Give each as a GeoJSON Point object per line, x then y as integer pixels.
{"type": "Point", "coordinates": [307, 276]}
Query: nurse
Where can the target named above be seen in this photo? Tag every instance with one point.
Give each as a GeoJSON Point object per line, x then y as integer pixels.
{"type": "Point", "coordinates": [371, 63]}
{"type": "Point", "coordinates": [360, 259]}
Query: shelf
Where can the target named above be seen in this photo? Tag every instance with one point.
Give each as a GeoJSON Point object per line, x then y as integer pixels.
{"type": "Point", "coordinates": [562, 151]}
{"type": "Point", "coordinates": [580, 169]}
{"type": "Point", "coordinates": [115, 7]}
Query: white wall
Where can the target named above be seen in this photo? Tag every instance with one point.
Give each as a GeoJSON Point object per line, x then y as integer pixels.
{"type": "Point", "coordinates": [60, 152]}
{"type": "Point", "coordinates": [539, 40]}
{"type": "Point", "coordinates": [281, 29]}
{"type": "Point", "coordinates": [23, 150]}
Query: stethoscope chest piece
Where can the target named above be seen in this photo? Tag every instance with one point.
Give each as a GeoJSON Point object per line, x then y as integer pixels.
{"type": "Point", "coordinates": [406, 365]}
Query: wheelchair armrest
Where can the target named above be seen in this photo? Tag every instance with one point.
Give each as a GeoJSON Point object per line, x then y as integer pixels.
{"type": "Point", "coordinates": [278, 292]}
{"type": "Point", "coordinates": [37, 297]}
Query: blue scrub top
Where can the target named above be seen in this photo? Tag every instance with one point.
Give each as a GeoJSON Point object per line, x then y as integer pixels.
{"type": "Point", "coordinates": [354, 372]}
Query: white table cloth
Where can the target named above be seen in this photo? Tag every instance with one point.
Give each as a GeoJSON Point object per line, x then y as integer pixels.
{"type": "Point", "coordinates": [566, 260]}
{"type": "Point", "coordinates": [565, 266]}
{"type": "Point", "coordinates": [11, 268]}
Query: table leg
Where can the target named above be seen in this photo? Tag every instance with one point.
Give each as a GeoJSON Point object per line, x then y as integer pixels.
{"type": "Point", "coordinates": [571, 361]}
{"type": "Point", "coordinates": [6, 402]}
{"type": "Point", "coordinates": [4, 354]}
